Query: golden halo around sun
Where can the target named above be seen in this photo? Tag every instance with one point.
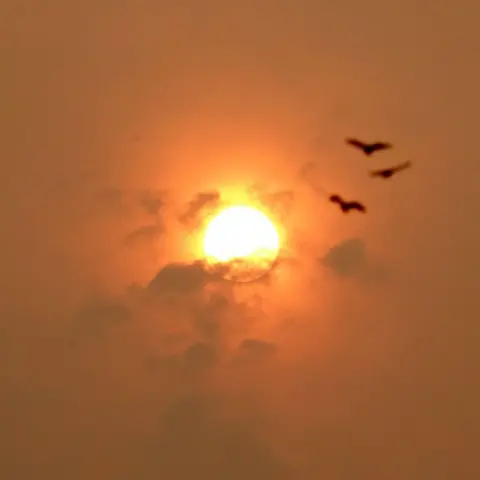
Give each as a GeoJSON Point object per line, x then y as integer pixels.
{"type": "Point", "coordinates": [244, 241]}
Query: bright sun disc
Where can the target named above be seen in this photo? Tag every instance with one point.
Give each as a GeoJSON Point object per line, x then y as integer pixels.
{"type": "Point", "coordinates": [244, 239]}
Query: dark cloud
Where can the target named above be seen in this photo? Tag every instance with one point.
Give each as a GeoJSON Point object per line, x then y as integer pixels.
{"type": "Point", "coordinates": [181, 278]}
{"type": "Point", "coordinates": [350, 259]}
{"type": "Point", "coordinates": [153, 201]}
{"type": "Point", "coordinates": [144, 234]}
{"type": "Point", "coordinates": [207, 317]}
{"type": "Point", "coordinates": [193, 437]}
{"type": "Point", "coordinates": [195, 359]}
{"type": "Point", "coordinates": [99, 315]}
{"type": "Point", "coordinates": [377, 386]}
{"type": "Point", "coordinates": [198, 441]}
{"type": "Point", "coordinates": [253, 353]}
{"type": "Point", "coordinates": [177, 289]}
{"type": "Point", "coordinates": [197, 206]}
{"type": "Point", "coordinates": [347, 258]}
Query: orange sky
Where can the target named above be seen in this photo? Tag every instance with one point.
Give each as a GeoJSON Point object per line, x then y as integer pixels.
{"type": "Point", "coordinates": [120, 359]}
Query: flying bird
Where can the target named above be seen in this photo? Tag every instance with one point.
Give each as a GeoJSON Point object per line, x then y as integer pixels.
{"type": "Point", "coordinates": [389, 172]}
{"type": "Point", "coordinates": [347, 206]}
{"type": "Point", "coordinates": [368, 148]}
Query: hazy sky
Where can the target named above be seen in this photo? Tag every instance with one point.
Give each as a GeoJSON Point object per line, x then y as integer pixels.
{"type": "Point", "coordinates": [120, 358]}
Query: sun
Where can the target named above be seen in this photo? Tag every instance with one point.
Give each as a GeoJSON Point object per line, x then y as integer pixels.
{"type": "Point", "coordinates": [244, 240]}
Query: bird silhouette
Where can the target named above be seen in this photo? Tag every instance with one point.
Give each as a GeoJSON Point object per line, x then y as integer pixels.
{"type": "Point", "coordinates": [368, 148]}
{"type": "Point", "coordinates": [389, 172]}
{"type": "Point", "coordinates": [347, 206]}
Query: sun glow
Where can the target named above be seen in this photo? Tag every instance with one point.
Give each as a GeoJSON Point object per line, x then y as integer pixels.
{"type": "Point", "coordinates": [243, 239]}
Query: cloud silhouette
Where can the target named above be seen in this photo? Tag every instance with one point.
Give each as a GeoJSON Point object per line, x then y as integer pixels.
{"type": "Point", "coordinates": [216, 447]}
{"type": "Point", "coordinates": [194, 424]}
{"type": "Point", "coordinates": [153, 201]}
{"type": "Point", "coordinates": [347, 258]}
{"type": "Point", "coordinates": [350, 259]}
{"type": "Point", "coordinates": [174, 373]}
{"type": "Point", "coordinates": [99, 315]}
{"type": "Point", "coordinates": [195, 359]}
{"type": "Point", "coordinates": [202, 345]}
{"type": "Point", "coordinates": [197, 206]}
{"type": "Point", "coordinates": [182, 278]}
{"type": "Point", "coordinates": [144, 234]}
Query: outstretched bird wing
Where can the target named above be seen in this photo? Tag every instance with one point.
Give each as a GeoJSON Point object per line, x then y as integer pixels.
{"type": "Point", "coordinates": [368, 148]}
{"type": "Point", "coordinates": [388, 172]}
{"type": "Point", "coordinates": [381, 145]}
{"type": "Point", "coordinates": [355, 143]}
{"type": "Point", "coordinates": [335, 198]}
{"type": "Point", "coordinates": [358, 206]}
{"type": "Point", "coordinates": [379, 173]}
{"type": "Point", "coordinates": [402, 166]}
